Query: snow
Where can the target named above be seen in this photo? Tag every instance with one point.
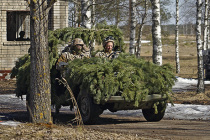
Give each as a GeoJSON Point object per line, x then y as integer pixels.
{"type": "Point", "coordinates": [184, 84]}
{"type": "Point", "coordinates": [178, 111]}
{"type": "Point", "coordinates": [143, 41]}
{"type": "Point", "coordinates": [189, 112]}
{"type": "Point", "coordinates": [10, 123]}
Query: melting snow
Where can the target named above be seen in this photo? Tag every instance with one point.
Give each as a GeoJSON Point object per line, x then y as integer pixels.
{"type": "Point", "coordinates": [10, 123]}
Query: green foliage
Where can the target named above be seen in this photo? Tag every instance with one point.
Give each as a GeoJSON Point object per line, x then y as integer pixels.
{"type": "Point", "coordinates": [88, 35]}
{"type": "Point", "coordinates": [127, 76]}
{"type": "Point", "coordinates": [59, 37]}
{"type": "Point", "coordinates": [22, 73]}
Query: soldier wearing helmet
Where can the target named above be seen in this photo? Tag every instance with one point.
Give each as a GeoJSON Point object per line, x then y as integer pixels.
{"type": "Point", "coordinates": [77, 49]}
{"type": "Point", "coordinates": [108, 45]}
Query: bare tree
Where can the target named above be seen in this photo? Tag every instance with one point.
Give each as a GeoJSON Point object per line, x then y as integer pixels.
{"type": "Point", "coordinates": [177, 38]}
{"type": "Point", "coordinates": [208, 31]}
{"type": "Point", "coordinates": [132, 7]}
{"type": "Point", "coordinates": [156, 32]}
{"type": "Point", "coordinates": [93, 13]}
{"type": "Point", "coordinates": [200, 85]}
{"type": "Point", "coordinates": [76, 19]}
{"type": "Point", "coordinates": [39, 104]}
{"type": "Point", "coordinates": [86, 13]}
{"type": "Point", "coordinates": [205, 31]}
{"type": "Point", "coordinates": [141, 25]}
{"type": "Point", "coordinates": [117, 17]}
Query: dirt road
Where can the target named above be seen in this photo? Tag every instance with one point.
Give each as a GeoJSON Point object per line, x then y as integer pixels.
{"type": "Point", "coordinates": [165, 129]}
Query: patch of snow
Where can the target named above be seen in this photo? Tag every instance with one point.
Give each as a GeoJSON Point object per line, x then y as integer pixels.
{"type": "Point", "coordinates": [143, 41]}
{"type": "Point", "coordinates": [8, 76]}
{"type": "Point", "coordinates": [10, 123]}
{"type": "Point", "coordinates": [178, 111]}
{"type": "Point", "coordinates": [184, 83]}
{"type": "Point", "coordinates": [188, 111]}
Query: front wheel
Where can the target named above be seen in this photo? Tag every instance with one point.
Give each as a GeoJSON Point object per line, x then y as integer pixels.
{"type": "Point", "coordinates": [89, 111]}
{"type": "Point", "coordinates": [152, 116]}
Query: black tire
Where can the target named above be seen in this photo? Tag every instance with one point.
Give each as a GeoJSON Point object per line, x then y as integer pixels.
{"type": "Point", "coordinates": [149, 114]}
{"type": "Point", "coordinates": [89, 111]}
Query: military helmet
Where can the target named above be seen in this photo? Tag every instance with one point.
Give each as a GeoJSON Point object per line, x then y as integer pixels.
{"type": "Point", "coordinates": [108, 39]}
{"type": "Point", "coordinates": [78, 41]}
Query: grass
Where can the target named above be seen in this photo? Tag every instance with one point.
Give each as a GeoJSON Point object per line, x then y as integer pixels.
{"type": "Point", "coordinates": [39, 131]}
{"type": "Point", "coordinates": [187, 54]}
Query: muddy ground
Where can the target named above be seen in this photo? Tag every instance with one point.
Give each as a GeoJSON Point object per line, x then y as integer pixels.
{"type": "Point", "coordinates": [108, 126]}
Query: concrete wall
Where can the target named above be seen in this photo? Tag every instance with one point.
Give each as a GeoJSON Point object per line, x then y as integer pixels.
{"type": "Point", "coordinates": [10, 51]}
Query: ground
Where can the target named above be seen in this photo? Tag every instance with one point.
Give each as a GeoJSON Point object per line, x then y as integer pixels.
{"type": "Point", "coordinates": [108, 126]}
{"type": "Point", "coordinates": [119, 127]}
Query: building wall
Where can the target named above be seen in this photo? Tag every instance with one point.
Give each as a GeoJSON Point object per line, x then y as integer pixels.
{"type": "Point", "coordinates": [59, 17]}
{"type": "Point", "coordinates": [10, 51]}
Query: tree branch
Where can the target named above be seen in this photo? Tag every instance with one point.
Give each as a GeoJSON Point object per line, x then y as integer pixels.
{"type": "Point", "coordinates": [98, 4]}
{"type": "Point", "coordinates": [50, 5]}
{"type": "Point", "coordinates": [76, 2]}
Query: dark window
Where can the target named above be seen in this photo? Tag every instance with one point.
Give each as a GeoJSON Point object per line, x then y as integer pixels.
{"type": "Point", "coordinates": [18, 25]}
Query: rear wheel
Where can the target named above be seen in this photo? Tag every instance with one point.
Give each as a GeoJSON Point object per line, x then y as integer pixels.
{"type": "Point", "coordinates": [89, 110]}
{"type": "Point", "coordinates": [150, 114]}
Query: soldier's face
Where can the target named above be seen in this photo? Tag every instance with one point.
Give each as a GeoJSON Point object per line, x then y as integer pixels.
{"type": "Point", "coordinates": [108, 47]}
{"type": "Point", "coordinates": [78, 48]}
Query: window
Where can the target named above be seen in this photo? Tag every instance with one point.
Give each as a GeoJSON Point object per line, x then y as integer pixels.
{"type": "Point", "coordinates": [18, 25]}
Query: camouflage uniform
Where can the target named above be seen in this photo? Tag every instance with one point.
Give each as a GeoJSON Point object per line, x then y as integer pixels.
{"type": "Point", "coordinates": [105, 54]}
{"type": "Point", "coordinates": [69, 54]}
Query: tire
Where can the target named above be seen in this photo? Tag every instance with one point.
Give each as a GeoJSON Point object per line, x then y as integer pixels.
{"type": "Point", "coordinates": [89, 111]}
{"type": "Point", "coordinates": [150, 116]}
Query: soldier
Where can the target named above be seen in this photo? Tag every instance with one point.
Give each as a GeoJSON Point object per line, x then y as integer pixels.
{"type": "Point", "coordinates": [76, 50]}
{"type": "Point", "coordinates": [108, 45]}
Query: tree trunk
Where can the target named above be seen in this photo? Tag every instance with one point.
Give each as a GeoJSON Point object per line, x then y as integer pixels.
{"type": "Point", "coordinates": [86, 14]}
{"type": "Point", "coordinates": [93, 14]}
{"type": "Point", "coordinates": [132, 11]}
{"type": "Point", "coordinates": [117, 14]}
{"type": "Point", "coordinates": [40, 88]}
{"type": "Point", "coordinates": [205, 36]}
{"type": "Point", "coordinates": [138, 43]}
{"type": "Point", "coordinates": [208, 42]}
{"type": "Point", "coordinates": [140, 30]}
{"type": "Point", "coordinates": [186, 29]}
{"type": "Point", "coordinates": [192, 29]}
{"type": "Point", "coordinates": [156, 32]}
{"type": "Point", "coordinates": [76, 15]}
{"type": "Point", "coordinates": [200, 85]}
{"type": "Point", "coordinates": [177, 38]}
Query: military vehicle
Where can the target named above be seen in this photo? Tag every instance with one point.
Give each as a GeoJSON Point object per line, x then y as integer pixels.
{"type": "Point", "coordinates": [90, 109]}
